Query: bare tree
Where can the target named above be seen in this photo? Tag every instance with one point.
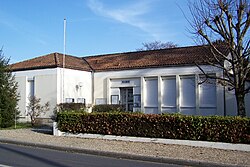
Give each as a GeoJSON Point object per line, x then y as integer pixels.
{"type": "Point", "coordinates": [35, 109]}
{"type": "Point", "coordinates": [228, 21]}
{"type": "Point", "coordinates": [157, 45]}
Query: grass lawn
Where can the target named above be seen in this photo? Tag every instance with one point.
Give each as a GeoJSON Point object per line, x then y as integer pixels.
{"type": "Point", "coordinates": [18, 126]}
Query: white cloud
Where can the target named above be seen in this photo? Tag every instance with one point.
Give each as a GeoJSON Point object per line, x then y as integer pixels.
{"type": "Point", "coordinates": [133, 15]}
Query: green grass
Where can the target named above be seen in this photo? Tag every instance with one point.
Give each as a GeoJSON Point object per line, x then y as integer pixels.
{"type": "Point", "coordinates": [18, 126]}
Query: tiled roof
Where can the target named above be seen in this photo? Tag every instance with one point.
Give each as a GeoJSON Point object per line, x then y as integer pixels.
{"type": "Point", "coordinates": [121, 61]}
{"type": "Point", "coordinates": [155, 58]}
{"type": "Point", "coordinates": [52, 60]}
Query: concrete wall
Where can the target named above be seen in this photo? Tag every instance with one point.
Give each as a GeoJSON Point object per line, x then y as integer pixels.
{"type": "Point", "coordinates": [154, 89]}
{"type": "Point", "coordinates": [77, 84]}
{"type": "Point", "coordinates": [44, 87]}
{"type": "Point", "coordinates": [172, 89]}
{"type": "Point", "coordinates": [231, 105]}
{"type": "Point", "coordinates": [21, 90]}
{"type": "Point", "coordinates": [49, 85]}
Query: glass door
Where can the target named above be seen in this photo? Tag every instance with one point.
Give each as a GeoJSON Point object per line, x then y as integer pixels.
{"type": "Point", "coordinates": [127, 98]}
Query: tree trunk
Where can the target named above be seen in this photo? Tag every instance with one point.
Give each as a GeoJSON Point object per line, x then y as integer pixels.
{"type": "Point", "coordinates": [240, 99]}
{"type": "Point", "coordinates": [33, 121]}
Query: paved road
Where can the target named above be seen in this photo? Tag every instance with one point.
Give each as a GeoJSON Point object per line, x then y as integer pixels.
{"type": "Point", "coordinates": [21, 156]}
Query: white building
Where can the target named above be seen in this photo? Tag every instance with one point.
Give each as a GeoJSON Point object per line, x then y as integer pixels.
{"type": "Point", "coordinates": [159, 81]}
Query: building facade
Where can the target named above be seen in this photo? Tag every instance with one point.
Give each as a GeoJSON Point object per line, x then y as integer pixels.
{"type": "Point", "coordinates": [159, 81]}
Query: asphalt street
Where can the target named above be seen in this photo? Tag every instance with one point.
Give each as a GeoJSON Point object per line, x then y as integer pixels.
{"type": "Point", "coordinates": [22, 156]}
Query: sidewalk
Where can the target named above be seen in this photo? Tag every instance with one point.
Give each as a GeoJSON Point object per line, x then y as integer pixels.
{"type": "Point", "coordinates": [173, 152]}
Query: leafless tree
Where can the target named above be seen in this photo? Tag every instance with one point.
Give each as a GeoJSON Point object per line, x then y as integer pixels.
{"type": "Point", "coordinates": [35, 109]}
{"type": "Point", "coordinates": [228, 21]}
{"type": "Point", "coordinates": [157, 45]}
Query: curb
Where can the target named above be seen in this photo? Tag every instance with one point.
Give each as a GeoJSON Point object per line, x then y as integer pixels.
{"type": "Point", "coordinates": [119, 155]}
{"type": "Point", "coordinates": [207, 144]}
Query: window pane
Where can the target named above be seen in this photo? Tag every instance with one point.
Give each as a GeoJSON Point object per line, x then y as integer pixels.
{"type": "Point", "coordinates": [169, 92]}
{"type": "Point", "coordinates": [114, 99]}
{"type": "Point", "coordinates": [69, 100]}
{"type": "Point", "coordinates": [137, 100]}
{"type": "Point", "coordinates": [151, 92]}
{"type": "Point", "coordinates": [207, 91]}
{"type": "Point", "coordinates": [80, 100]}
{"type": "Point", "coordinates": [187, 91]}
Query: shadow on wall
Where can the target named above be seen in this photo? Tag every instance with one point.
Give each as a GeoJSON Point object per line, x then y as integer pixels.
{"type": "Point", "coordinates": [231, 105]}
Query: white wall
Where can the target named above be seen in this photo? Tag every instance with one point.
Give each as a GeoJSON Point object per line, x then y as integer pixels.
{"type": "Point", "coordinates": [100, 78]}
{"type": "Point", "coordinates": [231, 105]}
{"type": "Point", "coordinates": [169, 92]}
{"type": "Point", "coordinates": [48, 87]}
{"type": "Point", "coordinates": [45, 87]}
{"type": "Point", "coordinates": [77, 84]}
{"type": "Point", "coordinates": [104, 87]}
{"type": "Point", "coordinates": [21, 90]}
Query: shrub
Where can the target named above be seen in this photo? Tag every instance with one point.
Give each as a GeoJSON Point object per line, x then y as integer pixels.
{"type": "Point", "coordinates": [35, 109]}
{"type": "Point", "coordinates": [68, 107]}
{"type": "Point", "coordinates": [213, 128]}
{"type": "Point", "coordinates": [108, 108]}
{"type": "Point", "coordinates": [71, 107]}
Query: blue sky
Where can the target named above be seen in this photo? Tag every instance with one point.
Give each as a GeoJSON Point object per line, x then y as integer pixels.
{"type": "Point", "coordinates": [31, 28]}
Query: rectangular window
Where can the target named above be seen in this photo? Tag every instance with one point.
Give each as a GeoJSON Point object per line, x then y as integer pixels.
{"type": "Point", "coordinates": [69, 100]}
{"type": "Point", "coordinates": [31, 88]}
{"type": "Point", "coordinates": [187, 91]}
{"type": "Point", "coordinates": [114, 99]}
{"type": "Point", "coordinates": [137, 101]}
{"type": "Point", "coordinates": [169, 92]}
{"type": "Point", "coordinates": [207, 91]}
{"type": "Point", "coordinates": [151, 92]}
{"type": "Point", "coordinates": [81, 100]}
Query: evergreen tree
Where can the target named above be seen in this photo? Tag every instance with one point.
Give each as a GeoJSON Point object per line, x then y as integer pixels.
{"type": "Point", "coordinates": [8, 94]}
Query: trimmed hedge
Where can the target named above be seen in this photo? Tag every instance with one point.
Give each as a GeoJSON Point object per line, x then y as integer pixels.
{"type": "Point", "coordinates": [212, 128]}
{"type": "Point", "coordinates": [72, 107]}
{"type": "Point", "coordinates": [108, 108]}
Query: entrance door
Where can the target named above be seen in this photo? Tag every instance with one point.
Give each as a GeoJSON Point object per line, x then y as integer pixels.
{"type": "Point", "coordinates": [127, 98]}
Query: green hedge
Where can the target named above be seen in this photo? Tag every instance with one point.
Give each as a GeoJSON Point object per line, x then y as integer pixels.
{"type": "Point", "coordinates": [213, 128]}
{"type": "Point", "coordinates": [72, 107]}
{"type": "Point", "coordinates": [108, 108]}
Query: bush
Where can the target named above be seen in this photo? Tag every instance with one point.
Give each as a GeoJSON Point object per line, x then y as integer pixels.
{"type": "Point", "coordinates": [72, 107]}
{"type": "Point", "coordinates": [36, 109]}
{"type": "Point", "coordinates": [213, 128]}
{"type": "Point", "coordinates": [108, 108]}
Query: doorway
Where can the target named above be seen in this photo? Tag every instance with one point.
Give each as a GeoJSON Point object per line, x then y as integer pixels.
{"type": "Point", "coordinates": [127, 98]}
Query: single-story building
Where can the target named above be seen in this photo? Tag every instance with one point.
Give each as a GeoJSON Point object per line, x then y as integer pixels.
{"type": "Point", "coordinates": [157, 81]}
